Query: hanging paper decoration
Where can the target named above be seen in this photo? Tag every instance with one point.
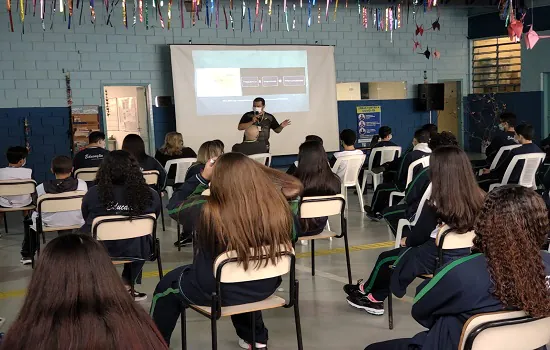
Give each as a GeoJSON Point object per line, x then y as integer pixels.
{"type": "Point", "coordinates": [515, 29]}
{"type": "Point", "coordinates": [364, 20]}
{"type": "Point", "coordinates": [182, 15]}
{"type": "Point", "coordinates": [34, 7]}
{"type": "Point", "coordinates": [399, 16]}
{"type": "Point", "coordinates": [419, 30]}
{"type": "Point", "coordinates": [269, 11]}
{"type": "Point", "coordinates": [249, 21]}
{"type": "Point", "coordinates": [68, 88]}
{"type": "Point", "coordinates": [70, 12]}
{"type": "Point", "coordinates": [27, 133]}
{"type": "Point", "coordinates": [262, 21]}
{"type": "Point", "coordinates": [146, 14]}
{"type": "Point", "coordinates": [319, 15]}
{"type": "Point", "coordinates": [417, 45]}
{"type": "Point", "coordinates": [92, 12]}
{"type": "Point", "coordinates": [208, 15]}
{"type": "Point", "coordinates": [309, 13]}
{"type": "Point", "coordinates": [436, 54]}
{"type": "Point", "coordinates": [124, 17]}
{"type": "Point", "coordinates": [386, 19]}
{"type": "Point", "coordinates": [390, 19]}
{"type": "Point", "coordinates": [8, 5]}
{"type": "Point", "coordinates": [426, 53]}
{"type": "Point", "coordinates": [134, 13]}
{"type": "Point", "coordinates": [531, 38]}
{"type": "Point", "coordinates": [326, 11]}
{"type": "Point", "coordinates": [436, 25]}
{"type": "Point", "coordinates": [257, 7]}
{"type": "Point", "coordinates": [231, 19]}
{"type": "Point", "coordinates": [335, 10]}
{"type": "Point", "coordinates": [211, 10]}
{"type": "Point", "coordinates": [278, 16]}
{"type": "Point", "coordinates": [294, 16]}
{"type": "Point", "coordinates": [225, 16]}
{"type": "Point", "coordinates": [217, 13]}
{"type": "Point", "coordinates": [243, 14]}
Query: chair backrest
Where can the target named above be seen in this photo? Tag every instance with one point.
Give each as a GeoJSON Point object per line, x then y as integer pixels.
{"type": "Point", "coordinates": [182, 165]}
{"type": "Point", "coordinates": [421, 204]}
{"type": "Point", "coordinates": [500, 153]}
{"type": "Point", "coordinates": [206, 192]}
{"type": "Point", "coordinates": [387, 154]}
{"type": "Point", "coordinates": [452, 240]}
{"type": "Point", "coordinates": [531, 163]}
{"type": "Point", "coordinates": [424, 161]}
{"type": "Point", "coordinates": [507, 330]}
{"type": "Point", "coordinates": [151, 177]}
{"type": "Point", "coordinates": [114, 227]}
{"type": "Point", "coordinates": [86, 174]}
{"type": "Point", "coordinates": [263, 158]}
{"type": "Point", "coordinates": [17, 187]}
{"type": "Point", "coordinates": [354, 163]}
{"type": "Point", "coordinates": [319, 206]}
{"type": "Point", "coordinates": [60, 202]}
{"type": "Point", "coordinates": [233, 272]}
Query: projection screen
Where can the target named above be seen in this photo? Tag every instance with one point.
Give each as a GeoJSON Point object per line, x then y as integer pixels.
{"type": "Point", "coordinates": [214, 85]}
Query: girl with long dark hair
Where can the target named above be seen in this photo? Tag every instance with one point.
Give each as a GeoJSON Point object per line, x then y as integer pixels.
{"type": "Point", "coordinates": [134, 145]}
{"type": "Point", "coordinates": [455, 201]}
{"type": "Point", "coordinates": [75, 300]}
{"type": "Point", "coordinates": [237, 215]}
{"type": "Point", "coordinates": [121, 190]}
{"type": "Point", "coordinates": [508, 271]}
{"type": "Point", "coordinates": [318, 179]}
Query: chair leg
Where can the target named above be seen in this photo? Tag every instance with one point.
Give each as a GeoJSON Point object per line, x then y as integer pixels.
{"type": "Point", "coordinates": [253, 330]}
{"type": "Point", "coordinates": [364, 182]}
{"type": "Point", "coordinates": [297, 317]}
{"type": "Point", "coordinates": [214, 333]}
{"type": "Point", "coordinates": [132, 290]}
{"type": "Point", "coordinates": [348, 261]}
{"type": "Point", "coordinates": [390, 311]}
{"type": "Point", "coordinates": [179, 236]}
{"type": "Point", "coordinates": [159, 261]}
{"type": "Point", "coordinates": [162, 219]}
{"type": "Point", "coordinates": [313, 257]}
{"type": "Point", "coordinates": [5, 223]}
{"type": "Point", "coordinates": [183, 329]}
{"type": "Point", "coordinates": [360, 195]}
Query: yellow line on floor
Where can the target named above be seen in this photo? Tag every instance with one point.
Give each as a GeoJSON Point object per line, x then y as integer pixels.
{"type": "Point", "coordinates": [318, 252]}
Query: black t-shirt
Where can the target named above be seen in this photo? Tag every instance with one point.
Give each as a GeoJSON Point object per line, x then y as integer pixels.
{"type": "Point", "coordinates": [267, 122]}
{"type": "Point", "coordinates": [89, 158]}
{"type": "Point", "coordinates": [505, 138]}
{"type": "Point", "coordinates": [249, 147]}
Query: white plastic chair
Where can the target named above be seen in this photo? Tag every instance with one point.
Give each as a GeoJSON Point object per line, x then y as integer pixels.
{"type": "Point", "coordinates": [263, 158]}
{"type": "Point", "coordinates": [499, 154]}
{"type": "Point", "coordinates": [16, 188]}
{"type": "Point", "coordinates": [86, 174]}
{"type": "Point", "coordinates": [531, 163]}
{"type": "Point", "coordinates": [404, 222]}
{"type": "Point", "coordinates": [387, 154]}
{"type": "Point", "coordinates": [351, 175]}
{"type": "Point", "coordinates": [425, 161]}
{"type": "Point", "coordinates": [506, 330]}
{"type": "Point", "coordinates": [182, 165]}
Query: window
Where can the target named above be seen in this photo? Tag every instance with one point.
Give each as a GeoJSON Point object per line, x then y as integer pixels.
{"type": "Point", "coordinates": [496, 65]}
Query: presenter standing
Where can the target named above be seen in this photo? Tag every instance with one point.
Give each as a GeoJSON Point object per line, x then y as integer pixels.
{"type": "Point", "coordinates": [264, 121]}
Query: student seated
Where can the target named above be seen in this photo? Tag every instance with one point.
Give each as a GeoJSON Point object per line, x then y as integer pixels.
{"type": "Point", "coordinates": [508, 271]}
{"type": "Point", "coordinates": [524, 136]}
{"type": "Point", "coordinates": [134, 145]}
{"type": "Point", "coordinates": [208, 150]}
{"type": "Point", "coordinates": [314, 138]}
{"type": "Point", "coordinates": [250, 145]}
{"type": "Point", "coordinates": [62, 168]}
{"type": "Point", "coordinates": [381, 197]}
{"type": "Point", "coordinates": [121, 190]}
{"type": "Point", "coordinates": [93, 154]}
{"type": "Point", "coordinates": [504, 137]}
{"type": "Point", "coordinates": [406, 209]}
{"type": "Point", "coordinates": [173, 148]}
{"type": "Point", "coordinates": [347, 140]}
{"type": "Point", "coordinates": [292, 168]}
{"type": "Point", "coordinates": [75, 300]}
{"type": "Point", "coordinates": [231, 218]}
{"type": "Point", "coordinates": [449, 204]}
{"type": "Point", "coordinates": [318, 180]}
{"type": "Point", "coordinates": [383, 139]}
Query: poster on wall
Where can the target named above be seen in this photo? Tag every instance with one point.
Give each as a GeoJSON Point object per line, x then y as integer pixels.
{"type": "Point", "coordinates": [369, 120]}
{"type": "Point", "coordinates": [127, 114]}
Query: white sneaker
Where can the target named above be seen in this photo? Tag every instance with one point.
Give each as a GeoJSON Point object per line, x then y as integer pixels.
{"type": "Point", "coordinates": [26, 261]}
{"type": "Point", "coordinates": [245, 345]}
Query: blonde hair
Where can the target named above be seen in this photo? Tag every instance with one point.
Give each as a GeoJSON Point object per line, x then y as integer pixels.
{"type": "Point", "coordinates": [173, 143]}
{"type": "Point", "coordinates": [209, 150]}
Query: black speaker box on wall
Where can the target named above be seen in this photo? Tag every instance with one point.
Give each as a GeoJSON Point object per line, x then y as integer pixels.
{"type": "Point", "coordinates": [430, 97]}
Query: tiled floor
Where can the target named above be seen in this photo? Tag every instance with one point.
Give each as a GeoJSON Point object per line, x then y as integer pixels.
{"type": "Point", "coordinates": [328, 322]}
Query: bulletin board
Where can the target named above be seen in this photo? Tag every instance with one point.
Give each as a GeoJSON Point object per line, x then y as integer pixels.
{"type": "Point", "coordinates": [84, 120]}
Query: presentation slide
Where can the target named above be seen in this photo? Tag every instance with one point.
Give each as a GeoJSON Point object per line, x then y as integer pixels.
{"type": "Point", "coordinates": [229, 85]}
{"type": "Point", "coordinates": [214, 85]}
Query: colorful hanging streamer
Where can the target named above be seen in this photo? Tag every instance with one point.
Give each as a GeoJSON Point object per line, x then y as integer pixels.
{"type": "Point", "coordinates": [146, 14]}
{"type": "Point", "coordinates": [364, 17]}
{"type": "Point", "coordinates": [399, 16]}
{"type": "Point", "coordinates": [294, 16]}
{"type": "Point", "coordinates": [309, 13]}
{"type": "Point", "coordinates": [286, 19]}
{"type": "Point", "coordinates": [326, 11]}
{"type": "Point", "coordinates": [70, 11]}
{"type": "Point", "coordinates": [181, 15]}
{"type": "Point", "coordinates": [257, 7]}
{"type": "Point", "coordinates": [269, 10]}
{"type": "Point", "coordinates": [140, 10]}
{"type": "Point", "coordinates": [249, 21]}
{"type": "Point", "coordinates": [92, 11]}
{"type": "Point", "coordinates": [335, 10]}
{"type": "Point", "coordinates": [319, 14]}
{"type": "Point", "coordinates": [217, 13]}
{"type": "Point", "coordinates": [207, 16]}
{"type": "Point", "coordinates": [225, 15]}
{"type": "Point", "coordinates": [231, 18]}
{"type": "Point", "coordinates": [262, 21]}
{"type": "Point", "coordinates": [169, 14]}
{"type": "Point", "coordinates": [134, 13]}
{"type": "Point", "coordinates": [124, 14]}
{"type": "Point", "coordinates": [8, 6]}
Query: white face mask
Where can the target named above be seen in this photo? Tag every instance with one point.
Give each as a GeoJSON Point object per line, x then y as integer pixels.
{"type": "Point", "coordinates": [501, 127]}
{"type": "Point", "coordinates": [24, 163]}
{"type": "Point", "coordinates": [258, 109]}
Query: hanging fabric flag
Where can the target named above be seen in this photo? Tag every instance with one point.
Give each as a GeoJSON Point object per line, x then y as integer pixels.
{"type": "Point", "coordinates": [286, 19]}
{"type": "Point", "coordinates": [335, 9]}
{"type": "Point", "coordinates": [217, 13]}
{"type": "Point", "coordinates": [278, 17]}
{"type": "Point", "coordinates": [146, 14]}
{"type": "Point", "coordinates": [249, 21]}
{"type": "Point", "coordinates": [399, 16]}
{"type": "Point", "coordinates": [70, 12]}
{"type": "Point", "coordinates": [182, 15]}
{"type": "Point", "coordinates": [8, 6]}
{"type": "Point", "coordinates": [309, 13]}
{"type": "Point", "coordinates": [194, 9]}
{"type": "Point", "coordinates": [231, 18]}
{"type": "Point", "coordinates": [319, 14]}
{"type": "Point", "coordinates": [124, 18]}
{"type": "Point", "coordinates": [140, 10]}
{"type": "Point", "coordinates": [169, 15]}
{"type": "Point", "coordinates": [225, 16]}
{"type": "Point", "coordinates": [207, 15]}
{"type": "Point", "coordinates": [42, 10]}
{"type": "Point", "coordinates": [326, 11]}
{"type": "Point", "coordinates": [134, 12]}
{"type": "Point", "coordinates": [160, 15]}
{"type": "Point", "coordinates": [386, 20]}
{"type": "Point", "coordinates": [364, 22]}
{"type": "Point", "coordinates": [390, 15]}
{"type": "Point", "coordinates": [257, 7]}
{"type": "Point", "coordinates": [262, 21]}
{"type": "Point", "coordinates": [243, 14]}
{"type": "Point", "coordinates": [34, 7]}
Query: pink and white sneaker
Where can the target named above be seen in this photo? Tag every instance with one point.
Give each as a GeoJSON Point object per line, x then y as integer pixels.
{"type": "Point", "coordinates": [245, 345]}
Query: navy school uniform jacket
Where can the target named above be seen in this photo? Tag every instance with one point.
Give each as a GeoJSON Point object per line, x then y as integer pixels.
{"type": "Point", "coordinates": [504, 138]}
{"type": "Point", "coordinates": [498, 172]}
{"type": "Point", "coordinates": [150, 163]}
{"type": "Point", "coordinates": [457, 292]}
{"type": "Point", "coordinates": [93, 208]}
{"type": "Point", "coordinates": [185, 206]}
{"type": "Point", "coordinates": [415, 191]}
{"type": "Point", "coordinates": [419, 151]}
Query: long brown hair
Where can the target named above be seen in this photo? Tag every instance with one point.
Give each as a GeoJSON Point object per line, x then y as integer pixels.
{"type": "Point", "coordinates": [456, 196]}
{"type": "Point", "coordinates": [76, 300]}
{"type": "Point", "coordinates": [247, 209]}
{"type": "Point", "coordinates": [173, 144]}
{"type": "Point", "coordinates": [510, 231]}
